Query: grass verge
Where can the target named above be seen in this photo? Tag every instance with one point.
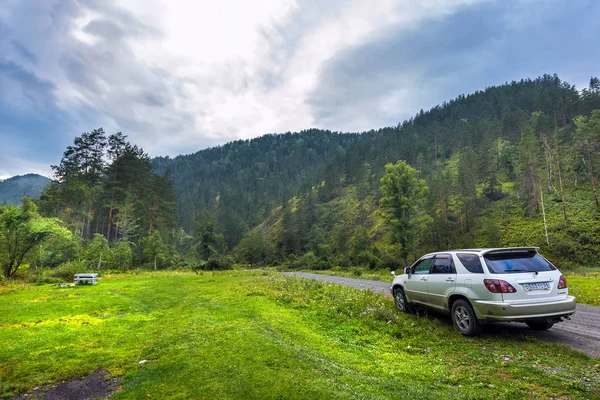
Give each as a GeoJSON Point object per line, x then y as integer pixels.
{"type": "Point", "coordinates": [583, 283]}
{"type": "Point", "coordinates": [585, 287]}
{"type": "Point", "coordinates": [254, 335]}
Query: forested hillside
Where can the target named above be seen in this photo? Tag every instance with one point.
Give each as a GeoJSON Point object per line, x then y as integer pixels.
{"type": "Point", "coordinates": [30, 185]}
{"type": "Point", "coordinates": [494, 163]}
{"type": "Point", "coordinates": [512, 165]}
{"type": "Point", "coordinates": [240, 183]}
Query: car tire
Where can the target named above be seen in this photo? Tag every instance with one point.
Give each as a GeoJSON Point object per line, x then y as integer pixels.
{"type": "Point", "coordinates": [400, 299]}
{"type": "Point", "coordinates": [464, 318]}
{"type": "Point", "coordinates": [540, 325]}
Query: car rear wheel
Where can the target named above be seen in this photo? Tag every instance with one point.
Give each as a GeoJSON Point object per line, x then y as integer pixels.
{"type": "Point", "coordinates": [540, 325]}
{"type": "Point", "coordinates": [464, 318]}
{"type": "Point", "coordinates": [400, 300]}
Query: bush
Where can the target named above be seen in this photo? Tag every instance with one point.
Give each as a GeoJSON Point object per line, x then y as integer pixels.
{"type": "Point", "coordinates": [44, 279]}
{"type": "Point", "coordinates": [67, 271]}
{"type": "Point", "coordinates": [563, 249]}
{"type": "Point", "coordinates": [212, 264]}
{"type": "Point", "coordinates": [390, 263]}
{"type": "Point", "coordinates": [307, 261]}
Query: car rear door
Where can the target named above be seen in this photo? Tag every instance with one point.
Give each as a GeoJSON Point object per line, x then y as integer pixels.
{"type": "Point", "coordinates": [533, 277]}
{"type": "Point", "coordinates": [416, 284]}
{"type": "Point", "coordinates": [441, 281]}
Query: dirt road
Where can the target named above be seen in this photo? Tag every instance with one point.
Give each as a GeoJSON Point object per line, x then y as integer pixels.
{"type": "Point", "coordinates": [581, 333]}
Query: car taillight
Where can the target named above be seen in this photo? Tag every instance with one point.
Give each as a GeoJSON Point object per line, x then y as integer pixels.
{"type": "Point", "coordinates": [498, 286]}
{"type": "Point", "coordinates": [562, 282]}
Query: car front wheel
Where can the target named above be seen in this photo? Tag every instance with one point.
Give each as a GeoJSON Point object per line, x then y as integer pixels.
{"type": "Point", "coordinates": [464, 318]}
{"type": "Point", "coordinates": [400, 300]}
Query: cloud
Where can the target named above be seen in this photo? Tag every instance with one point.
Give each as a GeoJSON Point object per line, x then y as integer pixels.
{"type": "Point", "coordinates": [177, 76]}
{"type": "Point", "coordinates": [407, 68]}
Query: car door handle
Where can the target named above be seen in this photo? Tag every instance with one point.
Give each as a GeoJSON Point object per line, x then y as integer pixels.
{"type": "Point", "coordinates": [450, 280]}
{"type": "Point", "coordinates": [424, 278]}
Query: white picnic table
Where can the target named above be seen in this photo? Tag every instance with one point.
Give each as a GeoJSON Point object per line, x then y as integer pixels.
{"type": "Point", "coordinates": [86, 278]}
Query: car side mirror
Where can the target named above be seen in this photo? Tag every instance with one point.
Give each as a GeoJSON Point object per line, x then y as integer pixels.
{"type": "Point", "coordinates": [393, 273]}
{"type": "Point", "coordinates": [407, 271]}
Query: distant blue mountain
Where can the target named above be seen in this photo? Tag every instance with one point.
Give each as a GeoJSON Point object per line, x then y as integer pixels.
{"type": "Point", "coordinates": [13, 189]}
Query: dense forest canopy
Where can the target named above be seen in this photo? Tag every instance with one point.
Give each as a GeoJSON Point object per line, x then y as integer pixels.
{"type": "Point", "coordinates": [248, 178]}
{"type": "Point", "coordinates": [511, 165]}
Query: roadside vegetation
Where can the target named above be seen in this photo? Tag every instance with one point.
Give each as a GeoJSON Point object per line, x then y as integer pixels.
{"type": "Point", "coordinates": [262, 335]}
{"type": "Point", "coordinates": [583, 283]}
{"type": "Point", "coordinates": [585, 287]}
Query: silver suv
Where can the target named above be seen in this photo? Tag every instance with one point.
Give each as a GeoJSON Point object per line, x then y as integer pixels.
{"type": "Point", "coordinates": [480, 285]}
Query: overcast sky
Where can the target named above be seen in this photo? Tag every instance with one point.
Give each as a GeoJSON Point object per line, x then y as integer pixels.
{"type": "Point", "coordinates": [178, 76]}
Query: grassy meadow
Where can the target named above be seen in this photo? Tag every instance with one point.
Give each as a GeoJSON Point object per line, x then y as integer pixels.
{"type": "Point", "coordinates": [254, 335]}
{"type": "Point", "coordinates": [583, 282]}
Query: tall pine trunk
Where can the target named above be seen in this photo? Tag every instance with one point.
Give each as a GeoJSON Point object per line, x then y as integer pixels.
{"type": "Point", "coordinates": [562, 190]}
{"type": "Point", "coordinates": [112, 202]}
{"type": "Point", "coordinates": [536, 202]}
{"type": "Point", "coordinates": [591, 169]}
{"type": "Point", "coordinates": [152, 215]}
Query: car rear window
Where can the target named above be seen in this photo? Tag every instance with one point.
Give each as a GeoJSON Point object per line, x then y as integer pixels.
{"type": "Point", "coordinates": [515, 262]}
{"type": "Point", "coordinates": [471, 262]}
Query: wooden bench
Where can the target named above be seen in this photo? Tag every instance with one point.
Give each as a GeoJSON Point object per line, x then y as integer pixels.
{"type": "Point", "coordinates": [86, 278]}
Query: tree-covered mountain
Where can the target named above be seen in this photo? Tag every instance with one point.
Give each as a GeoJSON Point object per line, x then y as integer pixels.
{"type": "Point", "coordinates": [487, 159]}
{"type": "Point", "coordinates": [240, 183]}
{"type": "Point", "coordinates": [30, 185]}
{"type": "Point", "coordinates": [511, 165]}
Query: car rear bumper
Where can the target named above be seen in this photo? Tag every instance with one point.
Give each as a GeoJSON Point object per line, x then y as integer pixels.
{"type": "Point", "coordinates": [504, 311]}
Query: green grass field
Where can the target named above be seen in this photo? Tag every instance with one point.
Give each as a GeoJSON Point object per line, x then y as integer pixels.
{"type": "Point", "coordinates": [586, 287]}
{"type": "Point", "coordinates": [250, 335]}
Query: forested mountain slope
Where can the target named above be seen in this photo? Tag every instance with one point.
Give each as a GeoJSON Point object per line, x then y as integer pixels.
{"type": "Point", "coordinates": [511, 165]}
{"type": "Point", "coordinates": [488, 160]}
{"type": "Point", "coordinates": [239, 183]}
{"type": "Point", "coordinates": [30, 185]}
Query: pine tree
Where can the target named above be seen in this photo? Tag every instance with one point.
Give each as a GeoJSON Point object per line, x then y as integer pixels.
{"type": "Point", "coordinates": [402, 202]}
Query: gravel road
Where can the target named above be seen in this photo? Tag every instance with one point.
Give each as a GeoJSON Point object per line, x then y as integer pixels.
{"type": "Point", "coordinates": [581, 333]}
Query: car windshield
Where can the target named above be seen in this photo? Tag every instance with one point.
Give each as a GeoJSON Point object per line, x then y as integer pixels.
{"type": "Point", "coordinates": [515, 262]}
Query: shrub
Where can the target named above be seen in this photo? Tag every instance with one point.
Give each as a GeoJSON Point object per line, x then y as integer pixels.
{"type": "Point", "coordinates": [390, 263]}
{"type": "Point", "coordinates": [563, 249]}
{"type": "Point", "coordinates": [44, 279]}
{"type": "Point", "coordinates": [67, 271]}
{"type": "Point", "coordinates": [212, 264]}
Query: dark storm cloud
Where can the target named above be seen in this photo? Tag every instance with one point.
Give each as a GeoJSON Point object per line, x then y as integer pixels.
{"type": "Point", "coordinates": [34, 124]}
{"type": "Point", "coordinates": [28, 119]}
{"type": "Point", "coordinates": [401, 71]}
{"type": "Point", "coordinates": [69, 66]}
{"type": "Point", "coordinates": [39, 92]}
{"type": "Point", "coordinates": [114, 89]}
{"type": "Point", "coordinates": [24, 52]}
{"type": "Point", "coordinates": [105, 29]}
{"type": "Point", "coordinates": [153, 99]}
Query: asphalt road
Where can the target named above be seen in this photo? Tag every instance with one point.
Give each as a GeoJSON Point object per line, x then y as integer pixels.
{"type": "Point", "coordinates": [582, 333]}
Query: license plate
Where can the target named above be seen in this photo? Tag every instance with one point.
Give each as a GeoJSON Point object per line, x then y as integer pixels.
{"type": "Point", "coordinates": [536, 286]}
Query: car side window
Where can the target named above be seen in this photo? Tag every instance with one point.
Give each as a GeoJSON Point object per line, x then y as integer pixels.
{"type": "Point", "coordinates": [443, 265]}
{"type": "Point", "coordinates": [471, 262]}
{"type": "Point", "coordinates": [422, 267]}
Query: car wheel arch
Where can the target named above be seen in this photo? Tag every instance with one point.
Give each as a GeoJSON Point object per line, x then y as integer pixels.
{"type": "Point", "coordinates": [399, 286]}
{"type": "Point", "coordinates": [455, 296]}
